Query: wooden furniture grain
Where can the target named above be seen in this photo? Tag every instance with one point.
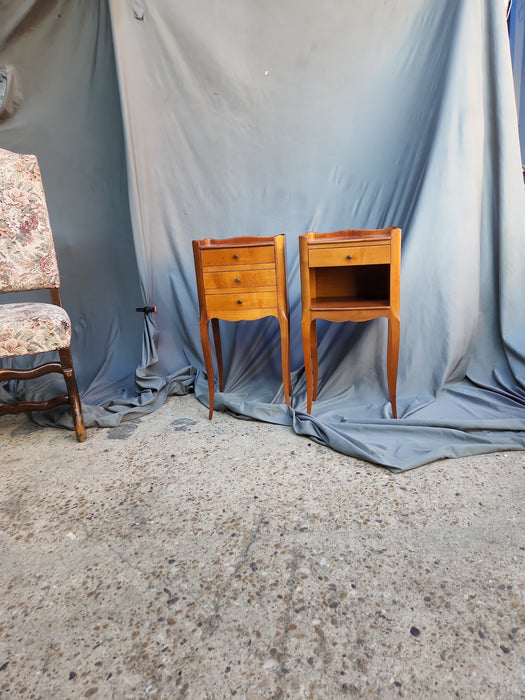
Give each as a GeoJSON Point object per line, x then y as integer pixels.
{"type": "Point", "coordinates": [241, 279]}
{"type": "Point", "coordinates": [350, 275]}
{"type": "Point", "coordinates": [28, 263]}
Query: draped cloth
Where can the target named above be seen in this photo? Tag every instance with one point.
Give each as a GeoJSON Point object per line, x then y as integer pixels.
{"type": "Point", "coordinates": [247, 118]}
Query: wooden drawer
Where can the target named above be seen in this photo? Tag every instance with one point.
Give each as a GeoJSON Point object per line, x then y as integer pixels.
{"type": "Point", "coordinates": [218, 304]}
{"type": "Point", "coordinates": [349, 255]}
{"type": "Point", "coordinates": [239, 279]}
{"type": "Point", "coordinates": [248, 255]}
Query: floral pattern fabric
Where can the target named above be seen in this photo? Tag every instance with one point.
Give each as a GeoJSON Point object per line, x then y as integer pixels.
{"type": "Point", "coordinates": [30, 328]}
{"type": "Point", "coordinates": [27, 253]}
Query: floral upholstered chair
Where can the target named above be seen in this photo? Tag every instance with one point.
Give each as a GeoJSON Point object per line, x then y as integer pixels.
{"type": "Point", "coordinates": [28, 262]}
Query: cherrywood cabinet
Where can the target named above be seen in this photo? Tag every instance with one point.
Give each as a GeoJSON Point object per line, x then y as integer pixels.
{"type": "Point", "coordinates": [241, 279]}
{"type": "Point", "coordinates": [350, 275]}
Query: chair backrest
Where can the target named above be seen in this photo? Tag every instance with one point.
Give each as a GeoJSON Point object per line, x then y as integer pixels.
{"type": "Point", "coordinates": [27, 254]}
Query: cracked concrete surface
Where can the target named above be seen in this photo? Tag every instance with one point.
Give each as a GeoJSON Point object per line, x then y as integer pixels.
{"type": "Point", "coordinates": [176, 557]}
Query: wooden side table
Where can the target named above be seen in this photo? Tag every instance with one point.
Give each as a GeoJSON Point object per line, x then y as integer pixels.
{"type": "Point", "coordinates": [241, 279]}
{"type": "Point", "coordinates": [351, 275]}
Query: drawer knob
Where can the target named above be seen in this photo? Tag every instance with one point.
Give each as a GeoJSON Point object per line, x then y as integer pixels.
{"type": "Point", "coordinates": [237, 279]}
{"type": "Point", "coordinates": [348, 257]}
{"type": "Point", "coordinates": [239, 301]}
{"type": "Point", "coordinates": [235, 256]}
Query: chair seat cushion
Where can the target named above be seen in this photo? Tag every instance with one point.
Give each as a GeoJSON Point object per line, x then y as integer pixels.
{"type": "Point", "coordinates": [33, 328]}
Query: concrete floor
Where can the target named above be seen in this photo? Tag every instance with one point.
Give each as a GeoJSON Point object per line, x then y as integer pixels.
{"type": "Point", "coordinates": [177, 557]}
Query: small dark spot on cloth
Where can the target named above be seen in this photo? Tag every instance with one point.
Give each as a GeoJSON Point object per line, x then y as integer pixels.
{"type": "Point", "coordinates": [253, 566]}
{"type": "Point", "coordinates": [504, 649]}
{"type": "Point", "coordinates": [481, 635]}
{"type": "Point", "coordinates": [4, 666]}
{"type": "Point", "coordinates": [227, 669]}
{"type": "Point", "coordinates": [415, 632]}
{"type": "Point", "coordinates": [398, 684]}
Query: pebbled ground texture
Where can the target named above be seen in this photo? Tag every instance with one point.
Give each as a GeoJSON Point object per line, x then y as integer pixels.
{"type": "Point", "coordinates": [177, 557]}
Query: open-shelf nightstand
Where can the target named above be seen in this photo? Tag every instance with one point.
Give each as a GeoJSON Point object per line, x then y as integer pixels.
{"type": "Point", "coordinates": [351, 275]}
{"type": "Point", "coordinates": [241, 279]}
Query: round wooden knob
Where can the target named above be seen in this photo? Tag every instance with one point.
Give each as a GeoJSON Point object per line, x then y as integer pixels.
{"type": "Point", "coordinates": [348, 257]}
{"type": "Point", "coordinates": [235, 256]}
{"type": "Point", "coordinates": [237, 279]}
{"type": "Point", "coordinates": [239, 301]}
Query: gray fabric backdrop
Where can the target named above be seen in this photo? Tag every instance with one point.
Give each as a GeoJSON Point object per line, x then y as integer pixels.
{"type": "Point", "coordinates": [249, 118]}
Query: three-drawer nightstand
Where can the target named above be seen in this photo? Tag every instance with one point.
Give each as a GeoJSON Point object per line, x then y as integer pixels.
{"type": "Point", "coordinates": [351, 275]}
{"type": "Point", "coordinates": [241, 279]}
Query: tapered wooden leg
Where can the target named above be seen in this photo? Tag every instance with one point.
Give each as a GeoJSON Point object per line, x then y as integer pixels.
{"type": "Point", "coordinates": [208, 362]}
{"type": "Point", "coordinates": [315, 358]}
{"type": "Point", "coordinates": [393, 360]}
{"type": "Point", "coordinates": [307, 353]}
{"type": "Point", "coordinates": [285, 358]}
{"type": "Point", "coordinates": [289, 373]}
{"type": "Point", "coordinates": [66, 363]}
{"type": "Point", "coordinates": [218, 350]}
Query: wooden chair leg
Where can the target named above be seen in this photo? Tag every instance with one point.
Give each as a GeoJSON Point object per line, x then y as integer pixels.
{"type": "Point", "coordinates": [392, 360]}
{"type": "Point", "coordinates": [307, 352]}
{"type": "Point", "coordinates": [72, 390]}
{"type": "Point", "coordinates": [218, 350]}
{"type": "Point", "coordinates": [285, 359]}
